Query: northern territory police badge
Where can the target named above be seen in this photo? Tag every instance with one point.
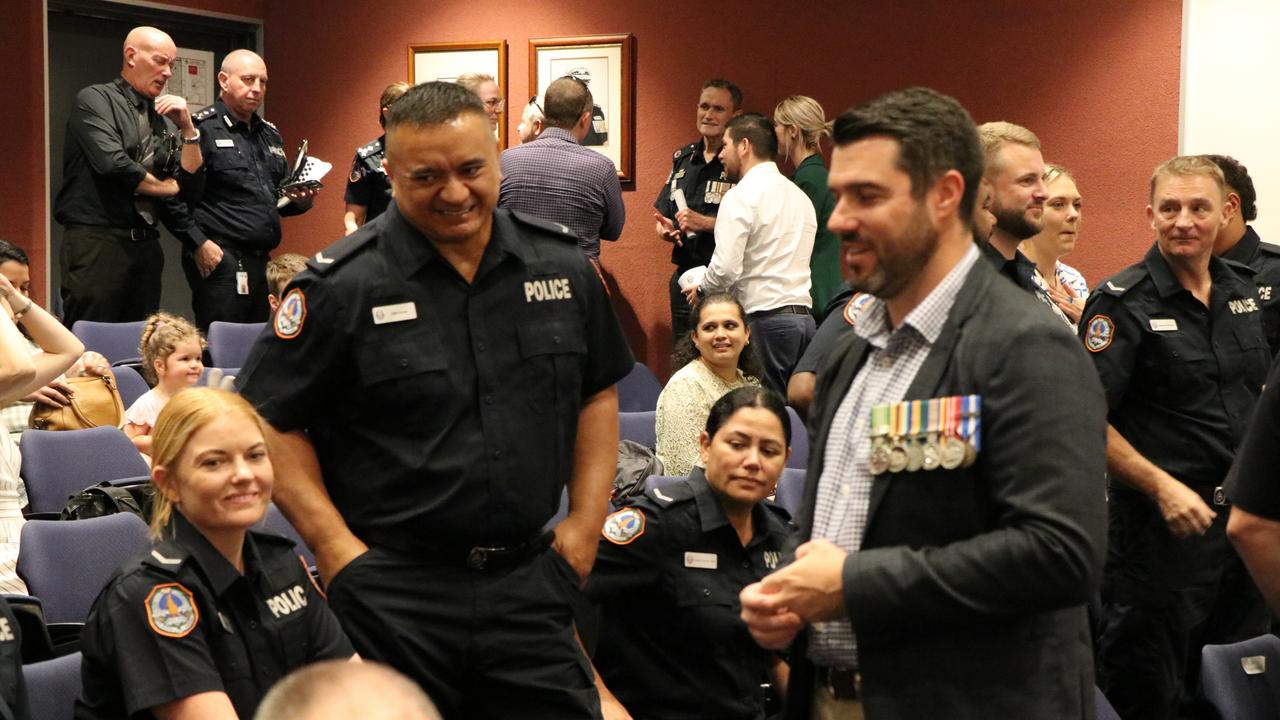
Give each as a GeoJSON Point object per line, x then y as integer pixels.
{"type": "Point", "coordinates": [171, 610]}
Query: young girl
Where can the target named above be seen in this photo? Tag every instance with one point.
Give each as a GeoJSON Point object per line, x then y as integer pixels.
{"type": "Point", "coordinates": [171, 349]}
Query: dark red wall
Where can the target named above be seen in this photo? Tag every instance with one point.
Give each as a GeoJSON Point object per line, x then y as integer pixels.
{"type": "Point", "coordinates": [1096, 79]}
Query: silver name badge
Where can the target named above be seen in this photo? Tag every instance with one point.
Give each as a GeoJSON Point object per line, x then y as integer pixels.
{"type": "Point", "coordinates": [1164, 324]}
{"type": "Point", "coordinates": [399, 312]}
{"type": "Point", "coordinates": [702, 561]}
{"type": "Point", "coordinates": [224, 142]}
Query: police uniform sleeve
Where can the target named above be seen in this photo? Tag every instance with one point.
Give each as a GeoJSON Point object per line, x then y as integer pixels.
{"type": "Point", "coordinates": [632, 543]}
{"type": "Point", "coordinates": [609, 357]}
{"type": "Point", "coordinates": [833, 326]}
{"type": "Point", "coordinates": [664, 203]}
{"type": "Point", "coordinates": [325, 635]}
{"type": "Point", "coordinates": [1252, 483]}
{"type": "Point", "coordinates": [299, 356]}
{"type": "Point", "coordinates": [358, 185]}
{"type": "Point", "coordinates": [155, 661]}
{"type": "Point", "coordinates": [1113, 337]}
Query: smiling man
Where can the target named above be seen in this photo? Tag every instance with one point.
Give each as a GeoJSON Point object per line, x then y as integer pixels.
{"type": "Point", "coordinates": [437, 378]}
{"type": "Point", "coordinates": [948, 558]}
{"type": "Point", "coordinates": [1178, 342]}
{"type": "Point", "coordinates": [119, 180]}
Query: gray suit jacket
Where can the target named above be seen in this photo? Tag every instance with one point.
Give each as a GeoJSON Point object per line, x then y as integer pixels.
{"type": "Point", "coordinates": [967, 595]}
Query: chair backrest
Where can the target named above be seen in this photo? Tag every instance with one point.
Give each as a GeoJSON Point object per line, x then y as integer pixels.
{"type": "Point", "coordinates": [58, 464]}
{"type": "Point", "coordinates": [1102, 709]}
{"type": "Point", "coordinates": [52, 687]}
{"type": "Point", "coordinates": [131, 384]}
{"type": "Point", "coordinates": [638, 426]}
{"type": "Point", "coordinates": [790, 492]}
{"type": "Point", "coordinates": [229, 343]}
{"type": "Point", "coordinates": [276, 523]}
{"type": "Point", "coordinates": [639, 390]}
{"type": "Point", "coordinates": [1242, 680]}
{"type": "Point", "coordinates": [799, 457]}
{"type": "Point", "coordinates": [66, 563]}
{"type": "Point", "coordinates": [117, 342]}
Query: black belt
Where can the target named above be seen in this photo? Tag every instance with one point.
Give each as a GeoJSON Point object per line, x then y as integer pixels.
{"type": "Point", "coordinates": [135, 234]}
{"type": "Point", "coordinates": [842, 684]}
{"type": "Point", "coordinates": [784, 310]}
{"type": "Point", "coordinates": [477, 557]}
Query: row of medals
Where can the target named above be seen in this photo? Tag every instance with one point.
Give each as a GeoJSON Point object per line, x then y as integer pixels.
{"type": "Point", "coordinates": [931, 450]}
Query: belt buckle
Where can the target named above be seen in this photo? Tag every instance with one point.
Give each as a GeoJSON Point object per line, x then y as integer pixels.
{"type": "Point", "coordinates": [851, 691]}
{"type": "Point", "coordinates": [1220, 496]}
{"type": "Point", "coordinates": [138, 234]}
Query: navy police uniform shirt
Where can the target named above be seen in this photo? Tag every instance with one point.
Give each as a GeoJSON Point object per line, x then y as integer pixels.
{"type": "Point", "coordinates": [704, 185]}
{"type": "Point", "coordinates": [181, 620]}
{"type": "Point", "coordinates": [1252, 483]}
{"type": "Point", "coordinates": [1181, 379]}
{"type": "Point", "coordinates": [244, 164]}
{"type": "Point", "coordinates": [672, 644]}
{"type": "Point", "coordinates": [1264, 258]}
{"type": "Point", "coordinates": [13, 693]}
{"type": "Point", "coordinates": [368, 185]}
{"type": "Point", "coordinates": [442, 412]}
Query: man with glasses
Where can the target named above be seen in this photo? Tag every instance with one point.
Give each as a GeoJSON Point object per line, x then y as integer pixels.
{"type": "Point", "coordinates": [532, 121]}
{"type": "Point", "coordinates": [119, 177]}
{"type": "Point", "coordinates": [553, 177]}
{"type": "Point", "coordinates": [486, 88]}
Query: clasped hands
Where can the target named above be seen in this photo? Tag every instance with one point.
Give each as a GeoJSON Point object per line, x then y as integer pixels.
{"type": "Point", "coordinates": [809, 590]}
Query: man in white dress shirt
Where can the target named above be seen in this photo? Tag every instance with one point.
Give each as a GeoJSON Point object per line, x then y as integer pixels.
{"type": "Point", "coordinates": [764, 237]}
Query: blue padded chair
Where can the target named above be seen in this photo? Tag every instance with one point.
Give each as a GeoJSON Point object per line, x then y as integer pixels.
{"type": "Point", "coordinates": [1242, 680]}
{"type": "Point", "coordinates": [67, 563]}
{"type": "Point", "coordinates": [790, 492]}
{"type": "Point", "coordinates": [229, 343]}
{"type": "Point", "coordinates": [638, 426]}
{"type": "Point", "coordinates": [118, 342]}
{"type": "Point", "coordinates": [639, 390]}
{"type": "Point", "coordinates": [1102, 709]}
{"type": "Point", "coordinates": [56, 465]}
{"type": "Point", "coordinates": [131, 384]}
{"type": "Point", "coordinates": [52, 687]}
{"type": "Point", "coordinates": [276, 523]}
{"type": "Point", "coordinates": [799, 441]}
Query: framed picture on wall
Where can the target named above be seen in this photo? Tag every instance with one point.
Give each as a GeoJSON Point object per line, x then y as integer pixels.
{"type": "Point", "coordinates": [447, 62]}
{"type": "Point", "coordinates": [605, 63]}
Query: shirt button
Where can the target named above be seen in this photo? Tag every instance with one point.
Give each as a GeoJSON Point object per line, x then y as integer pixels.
{"type": "Point", "coordinates": [497, 454]}
{"type": "Point", "coordinates": [488, 399]}
{"type": "Point", "coordinates": [480, 346]}
{"type": "Point", "coordinates": [746, 565]}
{"type": "Point", "coordinates": [555, 339]}
{"type": "Point", "coordinates": [706, 592]}
{"type": "Point", "coordinates": [404, 362]}
{"type": "Point", "coordinates": [253, 624]}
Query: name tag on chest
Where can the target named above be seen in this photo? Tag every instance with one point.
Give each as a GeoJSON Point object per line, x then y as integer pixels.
{"type": "Point", "coordinates": [224, 142]}
{"type": "Point", "coordinates": [702, 561]}
{"type": "Point", "coordinates": [1164, 324]}
{"type": "Point", "coordinates": [399, 312]}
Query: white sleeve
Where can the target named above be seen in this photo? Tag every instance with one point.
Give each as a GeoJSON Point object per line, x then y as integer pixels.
{"type": "Point", "coordinates": [733, 228]}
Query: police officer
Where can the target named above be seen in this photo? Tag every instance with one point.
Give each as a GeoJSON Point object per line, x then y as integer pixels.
{"type": "Point", "coordinates": [447, 371]}
{"type": "Point", "coordinates": [697, 172]}
{"type": "Point", "coordinates": [214, 614]}
{"type": "Point", "coordinates": [368, 190]}
{"type": "Point", "coordinates": [673, 561]}
{"type": "Point", "coordinates": [1177, 341]}
{"type": "Point", "coordinates": [236, 214]}
{"type": "Point", "coordinates": [1238, 241]}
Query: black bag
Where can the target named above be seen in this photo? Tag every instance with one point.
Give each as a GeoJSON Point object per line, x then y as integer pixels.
{"type": "Point", "coordinates": [635, 464]}
{"type": "Point", "coordinates": [107, 499]}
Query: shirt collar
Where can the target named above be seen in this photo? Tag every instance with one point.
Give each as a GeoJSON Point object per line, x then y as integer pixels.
{"type": "Point", "coordinates": [927, 318]}
{"type": "Point", "coordinates": [413, 251]}
{"type": "Point", "coordinates": [555, 133]}
{"type": "Point", "coordinates": [1247, 247]}
{"type": "Point", "coordinates": [1167, 284]}
{"type": "Point", "coordinates": [134, 97]}
{"type": "Point", "coordinates": [711, 513]}
{"type": "Point", "coordinates": [220, 573]}
{"type": "Point", "coordinates": [760, 169]}
{"type": "Point", "coordinates": [231, 120]}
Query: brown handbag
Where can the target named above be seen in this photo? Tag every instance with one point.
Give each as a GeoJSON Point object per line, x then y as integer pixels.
{"type": "Point", "coordinates": [95, 402]}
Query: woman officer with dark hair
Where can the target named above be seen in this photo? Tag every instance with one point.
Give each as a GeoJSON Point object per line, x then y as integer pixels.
{"type": "Point", "coordinates": [671, 565]}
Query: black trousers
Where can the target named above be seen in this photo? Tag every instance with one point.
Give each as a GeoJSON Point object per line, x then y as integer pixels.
{"type": "Point", "coordinates": [1163, 599]}
{"type": "Point", "coordinates": [495, 643]}
{"type": "Point", "coordinates": [215, 297]}
{"type": "Point", "coordinates": [681, 323]}
{"type": "Point", "coordinates": [107, 276]}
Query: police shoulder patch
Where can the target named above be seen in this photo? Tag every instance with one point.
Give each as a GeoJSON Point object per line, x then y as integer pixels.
{"type": "Point", "coordinates": [171, 610]}
{"type": "Point", "coordinates": [1099, 333]}
{"type": "Point", "coordinates": [357, 172]}
{"type": "Point", "coordinates": [291, 314]}
{"type": "Point", "coordinates": [855, 306]}
{"type": "Point", "coordinates": [624, 526]}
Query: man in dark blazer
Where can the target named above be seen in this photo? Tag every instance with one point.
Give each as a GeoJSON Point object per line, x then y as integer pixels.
{"type": "Point", "coordinates": [931, 593]}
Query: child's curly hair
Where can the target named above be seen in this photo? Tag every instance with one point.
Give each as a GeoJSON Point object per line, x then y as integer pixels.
{"type": "Point", "coordinates": [161, 333]}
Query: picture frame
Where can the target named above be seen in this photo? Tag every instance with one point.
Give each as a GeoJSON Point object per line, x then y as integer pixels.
{"type": "Point", "coordinates": [606, 63]}
{"type": "Point", "coordinates": [445, 61]}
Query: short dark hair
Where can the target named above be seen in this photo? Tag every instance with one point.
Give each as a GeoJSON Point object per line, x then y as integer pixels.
{"type": "Point", "coordinates": [564, 102]}
{"type": "Point", "coordinates": [735, 92]}
{"type": "Point", "coordinates": [748, 396]}
{"type": "Point", "coordinates": [9, 251]}
{"type": "Point", "coordinates": [1237, 177]}
{"type": "Point", "coordinates": [935, 135]}
{"type": "Point", "coordinates": [758, 130]}
{"type": "Point", "coordinates": [433, 103]}
{"type": "Point", "coordinates": [686, 352]}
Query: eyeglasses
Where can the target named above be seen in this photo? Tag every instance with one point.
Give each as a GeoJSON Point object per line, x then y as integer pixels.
{"type": "Point", "coordinates": [498, 104]}
{"type": "Point", "coordinates": [534, 102]}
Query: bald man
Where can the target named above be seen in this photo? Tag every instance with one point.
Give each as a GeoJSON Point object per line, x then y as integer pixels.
{"type": "Point", "coordinates": [237, 218]}
{"type": "Point", "coordinates": [130, 150]}
{"type": "Point", "coordinates": [340, 689]}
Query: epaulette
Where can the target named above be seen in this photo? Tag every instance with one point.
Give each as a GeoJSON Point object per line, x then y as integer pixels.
{"type": "Point", "coordinates": [204, 114]}
{"type": "Point", "coordinates": [1246, 272]}
{"type": "Point", "coordinates": [670, 493]}
{"type": "Point", "coordinates": [334, 255]}
{"type": "Point", "coordinates": [689, 149]}
{"type": "Point", "coordinates": [1120, 283]}
{"type": "Point", "coordinates": [270, 124]}
{"type": "Point", "coordinates": [267, 538]}
{"type": "Point", "coordinates": [562, 232]}
{"type": "Point", "coordinates": [1269, 248]}
{"type": "Point", "coordinates": [370, 149]}
{"type": "Point", "coordinates": [166, 557]}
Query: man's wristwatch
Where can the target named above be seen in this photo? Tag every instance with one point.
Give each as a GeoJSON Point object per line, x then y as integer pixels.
{"type": "Point", "coordinates": [192, 141]}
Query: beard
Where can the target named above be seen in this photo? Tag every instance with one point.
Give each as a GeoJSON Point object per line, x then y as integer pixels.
{"type": "Point", "coordinates": [899, 261]}
{"type": "Point", "coordinates": [1016, 222]}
